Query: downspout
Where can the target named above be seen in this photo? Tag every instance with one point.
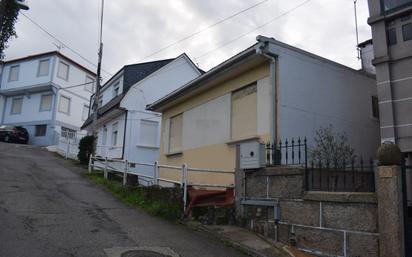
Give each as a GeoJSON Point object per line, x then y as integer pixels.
{"type": "Point", "coordinates": [5, 98]}
{"type": "Point", "coordinates": [124, 134]}
{"type": "Point", "coordinates": [262, 49]}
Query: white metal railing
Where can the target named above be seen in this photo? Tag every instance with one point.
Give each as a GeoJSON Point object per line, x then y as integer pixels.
{"type": "Point", "coordinates": [68, 143]}
{"type": "Point", "coordinates": [112, 165]}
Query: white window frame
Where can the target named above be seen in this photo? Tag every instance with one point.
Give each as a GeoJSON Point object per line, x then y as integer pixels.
{"type": "Point", "coordinates": [140, 143]}
{"type": "Point", "coordinates": [69, 105]}
{"type": "Point", "coordinates": [115, 134]}
{"type": "Point", "coordinates": [87, 86]}
{"type": "Point", "coordinates": [41, 101]}
{"type": "Point", "coordinates": [48, 67]}
{"type": "Point", "coordinates": [116, 88]}
{"type": "Point", "coordinates": [12, 104]}
{"type": "Point", "coordinates": [85, 106]}
{"type": "Point", "coordinates": [68, 71]}
{"type": "Point", "coordinates": [17, 66]}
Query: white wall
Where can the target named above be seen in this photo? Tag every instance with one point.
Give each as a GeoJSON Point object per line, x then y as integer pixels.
{"type": "Point", "coordinates": [108, 149]}
{"type": "Point", "coordinates": [30, 109]}
{"type": "Point", "coordinates": [107, 92]}
{"type": "Point", "coordinates": [27, 73]}
{"type": "Point", "coordinates": [316, 93]}
{"type": "Point", "coordinates": [79, 95]}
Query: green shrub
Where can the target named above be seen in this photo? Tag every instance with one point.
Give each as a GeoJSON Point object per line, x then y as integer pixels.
{"type": "Point", "coordinates": [86, 148]}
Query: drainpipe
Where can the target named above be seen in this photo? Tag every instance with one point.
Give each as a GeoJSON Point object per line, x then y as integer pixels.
{"type": "Point", "coordinates": [262, 49]}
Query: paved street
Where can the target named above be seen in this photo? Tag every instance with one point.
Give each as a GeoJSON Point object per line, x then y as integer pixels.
{"type": "Point", "coordinates": [47, 209]}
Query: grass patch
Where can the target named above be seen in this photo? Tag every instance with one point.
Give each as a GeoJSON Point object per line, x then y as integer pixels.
{"type": "Point", "coordinates": [142, 197]}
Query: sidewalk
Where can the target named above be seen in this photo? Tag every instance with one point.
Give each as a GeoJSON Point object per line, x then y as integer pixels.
{"type": "Point", "coordinates": [247, 241]}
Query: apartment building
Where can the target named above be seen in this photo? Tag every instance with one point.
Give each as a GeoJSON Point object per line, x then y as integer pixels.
{"type": "Point", "coordinates": [391, 22]}
{"type": "Point", "coordinates": [46, 93]}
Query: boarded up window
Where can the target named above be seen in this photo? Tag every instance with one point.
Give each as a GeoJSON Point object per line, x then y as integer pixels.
{"type": "Point", "coordinates": [46, 102]}
{"type": "Point", "coordinates": [148, 133]}
{"type": "Point", "coordinates": [43, 68]}
{"type": "Point", "coordinates": [175, 138]}
{"type": "Point", "coordinates": [14, 73]}
{"type": "Point", "coordinates": [244, 112]}
{"type": "Point", "coordinates": [16, 105]}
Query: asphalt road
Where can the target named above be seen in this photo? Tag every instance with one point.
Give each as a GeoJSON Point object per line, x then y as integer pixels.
{"type": "Point", "coordinates": [47, 209]}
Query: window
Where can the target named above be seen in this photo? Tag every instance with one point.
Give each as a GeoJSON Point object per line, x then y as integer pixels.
{"type": "Point", "coordinates": [85, 113]}
{"type": "Point", "coordinates": [114, 134]}
{"type": "Point", "coordinates": [100, 103]}
{"type": "Point", "coordinates": [63, 71]}
{"type": "Point", "coordinates": [116, 89]}
{"type": "Point", "coordinates": [175, 134]}
{"type": "Point", "coordinates": [16, 105]}
{"type": "Point", "coordinates": [375, 107]}
{"type": "Point", "coordinates": [104, 139]}
{"type": "Point", "coordinates": [43, 69]}
{"type": "Point", "coordinates": [89, 86]}
{"type": "Point", "coordinates": [46, 103]}
{"type": "Point", "coordinates": [388, 5]}
{"type": "Point", "coordinates": [64, 105]}
{"type": "Point", "coordinates": [68, 133]}
{"type": "Point", "coordinates": [40, 130]}
{"type": "Point", "coordinates": [244, 112]}
{"type": "Point", "coordinates": [391, 35]}
{"type": "Point", "coordinates": [148, 133]}
{"type": "Point", "coordinates": [14, 73]}
{"type": "Point", "coordinates": [407, 31]}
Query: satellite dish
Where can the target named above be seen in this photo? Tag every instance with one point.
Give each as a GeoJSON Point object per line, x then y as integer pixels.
{"type": "Point", "coordinates": [22, 4]}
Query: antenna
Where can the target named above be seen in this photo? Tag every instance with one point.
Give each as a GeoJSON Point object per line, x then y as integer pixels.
{"type": "Point", "coordinates": [357, 32]}
{"type": "Point", "coordinates": [58, 46]}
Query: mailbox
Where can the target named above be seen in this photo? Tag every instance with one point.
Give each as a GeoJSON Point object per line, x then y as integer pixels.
{"type": "Point", "coordinates": [252, 155]}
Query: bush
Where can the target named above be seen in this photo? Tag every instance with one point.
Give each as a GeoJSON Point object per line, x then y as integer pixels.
{"type": "Point", "coordinates": [86, 148]}
{"type": "Point", "coordinates": [331, 146]}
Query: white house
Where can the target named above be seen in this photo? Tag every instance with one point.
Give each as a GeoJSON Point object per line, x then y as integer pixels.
{"type": "Point", "coordinates": [124, 128]}
{"type": "Point", "coordinates": [46, 93]}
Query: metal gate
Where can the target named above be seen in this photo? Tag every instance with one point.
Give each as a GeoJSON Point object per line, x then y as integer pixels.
{"type": "Point", "coordinates": [407, 186]}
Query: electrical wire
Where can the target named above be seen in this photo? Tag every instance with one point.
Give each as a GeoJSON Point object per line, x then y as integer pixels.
{"type": "Point", "coordinates": [62, 43]}
{"type": "Point", "coordinates": [204, 29]}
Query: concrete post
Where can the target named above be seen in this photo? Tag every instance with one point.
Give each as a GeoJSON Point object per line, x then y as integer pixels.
{"type": "Point", "coordinates": [156, 172]}
{"type": "Point", "coordinates": [126, 170]}
{"type": "Point", "coordinates": [390, 211]}
{"type": "Point", "coordinates": [105, 168]}
{"type": "Point", "coordinates": [239, 181]}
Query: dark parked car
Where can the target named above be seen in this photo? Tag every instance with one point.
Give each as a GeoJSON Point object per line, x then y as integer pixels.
{"type": "Point", "coordinates": [13, 134]}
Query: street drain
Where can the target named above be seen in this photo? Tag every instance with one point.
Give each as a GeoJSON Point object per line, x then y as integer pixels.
{"type": "Point", "coordinates": [143, 253]}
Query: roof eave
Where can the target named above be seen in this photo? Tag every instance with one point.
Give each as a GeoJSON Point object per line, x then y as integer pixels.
{"type": "Point", "coordinates": [195, 83]}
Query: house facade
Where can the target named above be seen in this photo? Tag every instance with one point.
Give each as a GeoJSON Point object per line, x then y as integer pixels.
{"type": "Point", "coordinates": [47, 93]}
{"type": "Point", "coordinates": [391, 23]}
{"type": "Point", "coordinates": [271, 91]}
{"type": "Point", "coordinates": [125, 129]}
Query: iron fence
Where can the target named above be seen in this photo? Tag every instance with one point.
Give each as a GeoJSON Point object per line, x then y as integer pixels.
{"type": "Point", "coordinates": [341, 176]}
{"type": "Point", "coordinates": [289, 152]}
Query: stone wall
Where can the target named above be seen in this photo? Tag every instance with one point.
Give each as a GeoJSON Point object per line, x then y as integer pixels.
{"type": "Point", "coordinates": [275, 204]}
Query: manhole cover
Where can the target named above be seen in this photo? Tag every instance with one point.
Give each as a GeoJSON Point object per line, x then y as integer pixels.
{"type": "Point", "coordinates": [143, 253]}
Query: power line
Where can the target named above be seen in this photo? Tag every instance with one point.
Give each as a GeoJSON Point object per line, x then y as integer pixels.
{"type": "Point", "coordinates": [62, 43]}
{"type": "Point", "coordinates": [254, 29]}
{"type": "Point", "coordinates": [204, 29]}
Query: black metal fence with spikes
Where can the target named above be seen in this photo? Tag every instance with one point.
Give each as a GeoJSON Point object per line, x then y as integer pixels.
{"type": "Point", "coordinates": [355, 175]}
{"type": "Point", "coordinates": [289, 152]}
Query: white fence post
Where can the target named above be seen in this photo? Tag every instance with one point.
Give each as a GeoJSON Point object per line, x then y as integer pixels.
{"type": "Point", "coordinates": [105, 168]}
{"type": "Point", "coordinates": [156, 172]}
{"type": "Point", "coordinates": [67, 147]}
{"type": "Point", "coordinates": [126, 170]}
{"type": "Point", "coordinates": [184, 183]}
{"type": "Point", "coordinates": [90, 163]}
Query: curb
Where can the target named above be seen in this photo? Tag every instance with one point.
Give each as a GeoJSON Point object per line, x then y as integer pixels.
{"type": "Point", "coordinates": [227, 241]}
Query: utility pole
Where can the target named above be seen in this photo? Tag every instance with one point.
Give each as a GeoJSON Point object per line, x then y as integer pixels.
{"type": "Point", "coordinates": [99, 66]}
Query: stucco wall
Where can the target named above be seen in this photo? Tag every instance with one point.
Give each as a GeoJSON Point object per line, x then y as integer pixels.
{"type": "Point", "coordinates": [27, 73]}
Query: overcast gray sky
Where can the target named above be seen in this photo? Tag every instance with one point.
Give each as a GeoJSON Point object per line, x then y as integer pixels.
{"type": "Point", "coordinates": [134, 29]}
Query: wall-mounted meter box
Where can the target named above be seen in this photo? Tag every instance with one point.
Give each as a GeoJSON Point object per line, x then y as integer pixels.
{"type": "Point", "coordinates": [252, 155]}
